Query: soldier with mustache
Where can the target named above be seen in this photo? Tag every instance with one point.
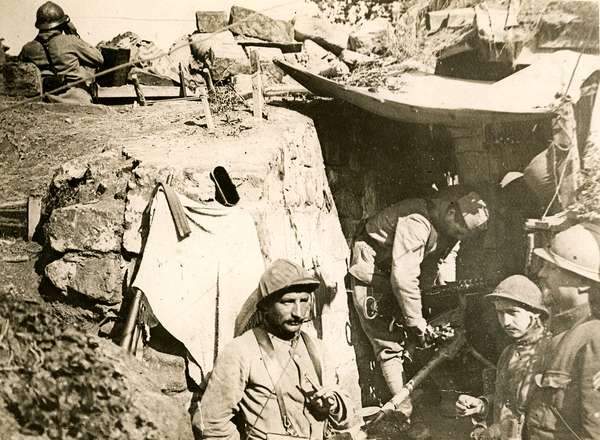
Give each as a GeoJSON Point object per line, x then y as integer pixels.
{"type": "Point", "coordinates": [269, 379]}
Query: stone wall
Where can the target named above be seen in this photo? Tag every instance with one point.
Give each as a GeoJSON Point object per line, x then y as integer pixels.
{"type": "Point", "coordinates": [277, 166]}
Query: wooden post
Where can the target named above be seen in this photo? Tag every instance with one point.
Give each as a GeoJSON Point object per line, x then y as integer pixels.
{"type": "Point", "coordinates": [183, 91]}
{"type": "Point", "coordinates": [257, 88]}
{"type": "Point", "coordinates": [138, 89]}
{"type": "Point", "coordinates": [34, 213]}
{"type": "Point", "coordinates": [210, 123]}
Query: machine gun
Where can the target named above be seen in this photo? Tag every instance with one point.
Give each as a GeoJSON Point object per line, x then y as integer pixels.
{"type": "Point", "coordinates": [461, 287]}
{"type": "Point", "coordinates": [451, 340]}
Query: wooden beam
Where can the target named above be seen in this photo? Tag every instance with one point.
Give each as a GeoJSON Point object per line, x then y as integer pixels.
{"type": "Point", "coordinates": [285, 46]}
{"type": "Point", "coordinates": [257, 87]}
{"type": "Point", "coordinates": [128, 91]}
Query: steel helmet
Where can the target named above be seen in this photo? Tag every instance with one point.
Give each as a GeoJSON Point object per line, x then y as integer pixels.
{"type": "Point", "coordinates": [284, 274]}
{"type": "Point", "coordinates": [522, 290]}
{"type": "Point", "coordinates": [576, 249]}
{"type": "Point", "coordinates": [50, 16]}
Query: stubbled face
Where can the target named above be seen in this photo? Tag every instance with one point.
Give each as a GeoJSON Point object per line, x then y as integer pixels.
{"type": "Point", "coordinates": [514, 319]}
{"type": "Point", "coordinates": [285, 315]}
{"type": "Point", "coordinates": [455, 226]}
{"type": "Point", "coordinates": [561, 289]}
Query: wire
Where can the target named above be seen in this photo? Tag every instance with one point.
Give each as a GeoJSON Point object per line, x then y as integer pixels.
{"type": "Point", "coordinates": [179, 20]}
{"type": "Point", "coordinates": [138, 60]}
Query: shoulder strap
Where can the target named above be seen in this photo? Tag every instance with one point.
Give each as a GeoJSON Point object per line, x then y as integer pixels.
{"type": "Point", "coordinates": [47, 52]}
{"type": "Point", "coordinates": [272, 366]}
{"type": "Point", "coordinates": [314, 355]}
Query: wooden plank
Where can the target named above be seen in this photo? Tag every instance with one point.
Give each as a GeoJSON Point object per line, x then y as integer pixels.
{"type": "Point", "coordinates": [128, 91]}
{"type": "Point", "coordinates": [34, 214]}
{"type": "Point", "coordinates": [285, 46]}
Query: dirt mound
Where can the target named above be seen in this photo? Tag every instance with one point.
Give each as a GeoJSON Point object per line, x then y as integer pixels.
{"type": "Point", "coordinates": [59, 383]}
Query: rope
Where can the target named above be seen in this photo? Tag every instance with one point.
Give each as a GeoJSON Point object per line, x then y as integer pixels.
{"type": "Point", "coordinates": [562, 174]}
{"type": "Point", "coordinates": [138, 60]}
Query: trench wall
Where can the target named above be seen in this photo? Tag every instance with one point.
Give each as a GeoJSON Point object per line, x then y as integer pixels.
{"type": "Point", "coordinates": [372, 162]}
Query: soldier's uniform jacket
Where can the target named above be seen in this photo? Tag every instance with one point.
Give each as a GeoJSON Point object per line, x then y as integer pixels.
{"type": "Point", "coordinates": [241, 384]}
{"type": "Point", "coordinates": [517, 366]}
{"type": "Point", "coordinates": [72, 57]}
{"type": "Point", "coordinates": [396, 241]}
{"type": "Point", "coordinates": [564, 405]}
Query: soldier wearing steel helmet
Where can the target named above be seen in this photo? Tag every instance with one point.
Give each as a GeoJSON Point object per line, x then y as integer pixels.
{"type": "Point", "coordinates": [564, 404]}
{"type": "Point", "coordinates": [61, 55]}
{"type": "Point", "coordinates": [522, 314]}
{"type": "Point", "coordinates": [270, 377]}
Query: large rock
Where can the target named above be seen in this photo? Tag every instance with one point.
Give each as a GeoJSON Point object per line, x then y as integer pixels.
{"type": "Point", "coordinates": [98, 278]}
{"type": "Point", "coordinates": [210, 21]}
{"type": "Point", "coordinates": [317, 58]}
{"type": "Point", "coordinates": [270, 72]}
{"type": "Point", "coordinates": [260, 26]}
{"type": "Point", "coordinates": [372, 36]}
{"type": "Point", "coordinates": [20, 79]}
{"type": "Point", "coordinates": [332, 37]}
{"type": "Point", "coordinates": [91, 227]}
{"type": "Point", "coordinates": [354, 59]}
{"type": "Point", "coordinates": [569, 25]}
{"type": "Point", "coordinates": [225, 56]}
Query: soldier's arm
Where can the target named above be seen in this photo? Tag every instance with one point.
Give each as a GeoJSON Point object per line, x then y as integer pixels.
{"type": "Point", "coordinates": [408, 252]}
{"type": "Point", "coordinates": [88, 55]}
{"type": "Point", "coordinates": [590, 398]}
{"type": "Point", "coordinates": [226, 386]}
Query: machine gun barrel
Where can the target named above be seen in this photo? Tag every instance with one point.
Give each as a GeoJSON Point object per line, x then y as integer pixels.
{"type": "Point", "coordinates": [467, 286]}
{"type": "Point", "coordinates": [447, 352]}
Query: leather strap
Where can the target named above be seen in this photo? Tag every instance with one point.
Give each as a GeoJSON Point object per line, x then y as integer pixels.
{"type": "Point", "coordinates": [314, 355]}
{"type": "Point", "coordinates": [273, 366]}
{"type": "Point", "coordinates": [47, 52]}
{"type": "Point", "coordinates": [275, 372]}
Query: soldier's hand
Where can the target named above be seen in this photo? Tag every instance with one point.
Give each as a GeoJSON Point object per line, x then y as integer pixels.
{"type": "Point", "coordinates": [322, 403]}
{"type": "Point", "coordinates": [469, 406]}
{"type": "Point", "coordinates": [423, 334]}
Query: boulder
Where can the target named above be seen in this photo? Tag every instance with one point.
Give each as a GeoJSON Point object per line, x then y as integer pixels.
{"type": "Point", "coordinates": [569, 25]}
{"type": "Point", "coordinates": [317, 58]}
{"type": "Point", "coordinates": [260, 25]}
{"type": "Point", "coordinates": [222, 53]}
{"type": "Point", "coordinates": [242, 84]}
{"type": "Point", "coordinates": [332, 37]}
{"type": "Point", "coordinates": [20, 79]}
{"type": "Point", "coordinates": [335, 69]}
{"type": "Point", "coordinates": [354, 59]}
{"type": "Point", "coordinates": [98, 278]}
{"type": "Point", "coordinates": [371, 36]}
{"type": "Point", "coordinates": [91, 227]}
{"type": "Point", "coordinates": [211, 21]}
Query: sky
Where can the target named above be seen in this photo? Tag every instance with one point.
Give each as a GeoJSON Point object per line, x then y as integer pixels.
{"type": "Point", "coordinates": [97, 20]}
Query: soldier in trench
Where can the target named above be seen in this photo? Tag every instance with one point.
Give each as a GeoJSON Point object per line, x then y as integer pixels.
{"type": "Point", "coordinates": [522, 314]}
{"type": "Point", "coordinates": [269, 378]}
{"type": "Point", "coordinates": [388, 255]}
{"type": "Point", "coordinates": [62, 56]}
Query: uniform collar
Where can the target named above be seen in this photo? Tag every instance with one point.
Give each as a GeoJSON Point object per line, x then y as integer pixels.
{"type": "Point", "coordinates": [568, 319]}
{"type": "Point", "coordinates": [532, 336]}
